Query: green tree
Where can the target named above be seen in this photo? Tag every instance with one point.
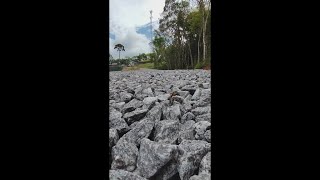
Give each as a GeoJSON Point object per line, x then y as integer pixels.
{"type": "Point", "coordinates": [119, 48]}
{"type": "Point", "coordinates": [110, 59]}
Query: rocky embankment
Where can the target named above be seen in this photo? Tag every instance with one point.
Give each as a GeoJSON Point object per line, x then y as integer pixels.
{"type": "Point", "coordinates": [160, 125]}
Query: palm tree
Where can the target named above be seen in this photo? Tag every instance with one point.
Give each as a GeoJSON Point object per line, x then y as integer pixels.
{"type": "Point", "coordinates": [119, 48]}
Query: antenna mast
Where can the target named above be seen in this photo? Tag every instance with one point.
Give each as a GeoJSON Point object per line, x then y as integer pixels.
{"type": "Point", "coordinates": [151, 23]}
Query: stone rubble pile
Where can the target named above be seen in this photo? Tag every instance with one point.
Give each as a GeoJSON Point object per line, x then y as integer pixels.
{"type": "Point", "coordinates": [160, 125]}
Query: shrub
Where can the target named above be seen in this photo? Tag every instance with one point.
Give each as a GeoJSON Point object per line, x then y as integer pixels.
{"type": "Point", "coordinates": [199, 65]}
{"type": "Point", "coordinates": [115, 68]}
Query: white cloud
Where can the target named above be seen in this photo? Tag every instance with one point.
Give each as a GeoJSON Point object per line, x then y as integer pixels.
{"type": "Point", "coordinates": [125, 16]}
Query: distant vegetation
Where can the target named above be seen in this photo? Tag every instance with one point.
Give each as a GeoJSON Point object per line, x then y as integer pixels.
{"type": "Point", "coordinates": [183, 40]}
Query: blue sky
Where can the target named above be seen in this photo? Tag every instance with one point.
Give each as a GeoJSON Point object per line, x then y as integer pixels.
{"type": "Point", "coordinates": [128, 25]}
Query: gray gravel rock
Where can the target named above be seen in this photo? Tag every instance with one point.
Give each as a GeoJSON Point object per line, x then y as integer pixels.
{"type": "Point", "coordinates": [118, 106]}
{"type": "Point", "coordinates": [149, 102]}
{"type": "Point", "coordinates": [163, 97]}
{"type": "Point", "coordinates": [184, 94]}
{"type": "Point", "coordinates": [155, 113]}
{"type": "Point", "coordinates": [205, 95]}
{"type": "Point", "coordinates": [179, 99]}
{"type": "Point", "coordinates": [168, 171]}
{"type": "Point", "coordinates": [206, 85]}
{"type": "Point", "coordinates": [141, 130]}
{"type": "Point", "coordinates": [190, 88]}
{"type": "Point", "coordinates": [201, 110]}
{"type": "Point", "coordinates": [205, 164]}
{"type": "Point", "coordinates": [192, 152]}
{"type": "Point", "coordinates": [124, 175]}
{"type": "Point", "coordinates": [203, 117]}
{"type": "Point", "coordinates": [172, 112]}
{"type": "Point", "coordinates": [196, 95]}
{"type": "Point", "coordinates": [186, 117]}
{"type": "Point", "coordinates": [124, 156]}
{"type": "Point", "coordinates": [168, 136]}
{"type": "Point", "coordinates": [148, 92]}
{"type": "Point", "coordinates": [187, 131]}
{"type": "Point", "coordinates": [200, 129]}
{"type": "Point", "coordinates": [187, 105]}
{"type": "Point", "coordinates": [167, 131]}
{"type": "Point", "coordinates": [134, 116]}
{"type": "Point", "coordinates": [125, 97]}
{"type": "Point", "coordinates": [153, 156]}
{"type": "Point", "coordinates": [207, 136]}
{"type": "Point", "coordinates": [203, 176]}
{"type": "Point", "coordinates": [131, 105]}
{"type": "Point", "coordinates": [116, 122]}
{"type": "Point", "coordinates": [113, 137]}
{"type": "Point", "coordinates": [188, 97]}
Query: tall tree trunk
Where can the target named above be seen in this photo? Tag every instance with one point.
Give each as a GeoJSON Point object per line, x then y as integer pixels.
{"type": "Point", "coordinates": [205, 17]}
{"type": "Point", "coordinates": [199, 46]}
{"type": "Point", "coordinates": [190, 54]}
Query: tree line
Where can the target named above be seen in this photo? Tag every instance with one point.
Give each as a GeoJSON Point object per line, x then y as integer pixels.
{"type": "Point", "coordinates": [143, 57]}
{"type": "Point", "coordinates": [183, 40]}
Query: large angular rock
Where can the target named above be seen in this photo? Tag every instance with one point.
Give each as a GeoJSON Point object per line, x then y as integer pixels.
{"type": "Point", "coordinates": [124, 175]}
{"type": "Point", "coordinates": [203, 117]}
{"type": "Point", "coordinates": [168, 171]}
{"type": "Point", "coordinates": [191, 153]}
{"type": "Point", "coordinates": [205, 164]}
{"type": "Point", "coordinates": [116, 122]}
{"type": "Point", "coordinates": [201, 110]}
{"type": "Point", "coordinates": [207, 136]}
{"type": "Point", "coordinates": [149, 102]}
{"type": "Point", "coordinates": [187, 106]}
{"type": "Point", "coordinates": [205, 95]}
{"type": "Point", "coordinates": [118, 106]}
{"type": "Point", "coordinates": [113, 137]}
{"type": "Point", "coordinates": [155, 113]}
{"type": "Point", "coordinates": [184, 94]}
{"type": "Point", "coordinates": [141, 130]}
{"type": "Point", "coordinates": [163, 97]}
{"type": "Point", "coordinates": [148, 92]}
{"type": "Point", "coordinates": [158, 93]}
{"type": "Point", "coordinates": [172, 112]}
{"type": "Point", "coordinates": [196, 95]}
{"type": "Point", "coordinates": [124, 156]}
{"type": "Point", "coordinates": [182, 109]}
{"type": "Point", "coordinates": [186, 117]}
{"type": "Point", "coordinates": [179, 99]}
{"type": "Point", "coordinates": [187, 125]}
{"type": "Point", "coordinates": [203, 176]}
{"type": "Point", "coordinates": [131, 106]}
{"type": "Point", "coordinates": [200, 128]}
{"type": "Point", "coordinates": [153, 156]}
{"type": "Point", "coordinates": [188, 97]}
{"type": "Point", "coordinates": [134, 116]}
{"type": "Point", "coordinates": [181, 83]}
{"type": "Point", "coordinates": [187, 131]}
{"type": "Point", "coordinates": [125, 97]}
{"type": "Point", "coordinates": [167, 131]}
{"type": "Point", "coordinates": [113, 95]}
{"type": "Point", "coordinates": [130, 90]}
{"type": "Point", "coordinates": [190, 88]}
{"type": "Point", "coordinates": [206, 85]}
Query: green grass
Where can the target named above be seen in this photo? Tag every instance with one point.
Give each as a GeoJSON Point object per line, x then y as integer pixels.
{"type": "Point", "coordinates": [146, 65]}
{"type": "Point", "coordinates": [130, 68]}
{"type": "Point", "coordinates": [139, 66]}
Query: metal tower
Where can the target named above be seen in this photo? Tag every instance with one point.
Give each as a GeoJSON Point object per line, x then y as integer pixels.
{"type": "Point", "coordinates": [151, 23]}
